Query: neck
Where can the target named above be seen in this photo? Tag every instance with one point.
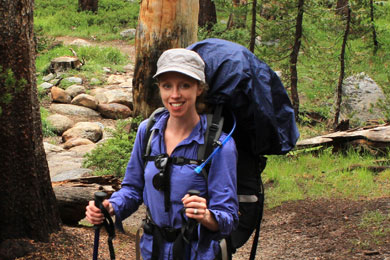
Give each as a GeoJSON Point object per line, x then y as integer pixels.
{"type": "Point", "coordinates": [182, 126]}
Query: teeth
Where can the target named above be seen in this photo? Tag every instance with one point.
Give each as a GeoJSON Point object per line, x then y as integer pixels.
{"type": "Point", "coordinates": [177, 104]}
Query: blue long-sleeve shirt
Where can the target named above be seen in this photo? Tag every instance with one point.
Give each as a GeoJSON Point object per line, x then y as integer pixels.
{"type": "Point", "coordinates": [220, 190]}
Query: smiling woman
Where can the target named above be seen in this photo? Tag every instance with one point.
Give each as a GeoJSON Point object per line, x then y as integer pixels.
{"type": "Point", "coordinates": [175, 195]}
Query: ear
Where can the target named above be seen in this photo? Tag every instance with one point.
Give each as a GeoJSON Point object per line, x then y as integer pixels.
{"type": "Point", "coordinates": [199, 90]}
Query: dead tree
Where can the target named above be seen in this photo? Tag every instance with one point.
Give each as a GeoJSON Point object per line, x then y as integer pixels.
{"type": "Point", "coordinates": [294, 59]}
{"type": "Point", "coordinates": [342, 70]}
{"type": "Point", "coordinates": [28, 207]}
{"type": "Point", "coordinates": [162, 24]}
{"type": "Point", "coordinates": [374, 38]}
{"type": "Point", "coordinates": [253, 27]}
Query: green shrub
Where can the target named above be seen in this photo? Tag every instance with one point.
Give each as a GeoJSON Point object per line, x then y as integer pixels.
{"type": "Point", "coordinates": [112, 156]}
{"type": "Point", "coordinates": [47, 129]}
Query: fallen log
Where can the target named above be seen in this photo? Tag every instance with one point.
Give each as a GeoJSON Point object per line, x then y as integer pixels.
{"type": "Point", "coordinates": [373, 139]}
{"type": "Point", "coordinates": [73, 195]}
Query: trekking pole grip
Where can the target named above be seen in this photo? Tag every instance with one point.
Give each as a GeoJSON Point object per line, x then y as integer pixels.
{"type": "Point", "coordinates": [99, 197]}
{"type": "Point", "coordinates": [193, 192]}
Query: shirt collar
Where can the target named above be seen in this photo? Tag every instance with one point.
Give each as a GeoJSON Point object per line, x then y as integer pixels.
{"type": "Point", "coordinates": [197, 134]}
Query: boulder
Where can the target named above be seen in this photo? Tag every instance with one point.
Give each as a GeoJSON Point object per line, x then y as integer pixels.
{"type": "Point", "coordinates": [114, 111]}
{"type": "Point", "coordinates": [116, 79]}
{"type": "Point", "coordinates": [46, 85]}
{"type": "Point", "coordinates": [85, 100]}
{"type": "Point", "coordinates": [48, 77]}
{"type": "Point", "coordinates": [359, 100]}
{"type": "Point", "coordinates": [88, 130]}
{"type": "Point", "coordinates": [77, 141]}
{"type": "Point", "coordinates": [60, 123]}
{"type": "Point", "coordinates": [80, 42]}
{"type": "Point", "coordinates": [73, 110]}
{"type": "Point", "coordinates": [59, 95]}
{"type": "Point", "coordinates": [128, 33]}
{"type": "Point", "coordinates": [75, 80]}
{"type": "Point", "coordinates": [117, 96]}
{"type": "Point", "coordinates": [75, 90]}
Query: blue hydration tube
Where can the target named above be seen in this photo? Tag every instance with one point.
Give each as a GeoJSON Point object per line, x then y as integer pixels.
{"type": "Point", "coordinates": [200, 167]}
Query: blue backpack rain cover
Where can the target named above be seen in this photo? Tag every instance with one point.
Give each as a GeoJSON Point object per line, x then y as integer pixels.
{"type": "Point", "coordinates": [255, 94]}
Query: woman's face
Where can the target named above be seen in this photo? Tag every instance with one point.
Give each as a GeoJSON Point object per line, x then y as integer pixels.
{"type": "Point", "coordinates": [178, 93]}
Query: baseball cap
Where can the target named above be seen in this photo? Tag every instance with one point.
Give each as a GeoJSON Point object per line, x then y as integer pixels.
{"type": "Point", "coordinates": [183, 61]}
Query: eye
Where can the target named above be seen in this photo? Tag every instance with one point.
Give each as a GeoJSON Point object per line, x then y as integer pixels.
{"type": "Point", "coordinates": [185, 86]}
{"type": "Point", "coordinates": [166, 86]}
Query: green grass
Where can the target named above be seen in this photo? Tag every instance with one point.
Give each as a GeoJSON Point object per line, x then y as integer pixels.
{"type": "Point", "coordinates": [323, 176]}
{"type": "Point", "coordinates": [95, 59]}
{"type": "Point", "coordinates": [47, 129]}
{"type": "Point", "coordinates": [60, 17]}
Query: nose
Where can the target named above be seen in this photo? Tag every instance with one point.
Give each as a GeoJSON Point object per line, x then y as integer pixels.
{"type": "Point", "coordinates": [176, 92]}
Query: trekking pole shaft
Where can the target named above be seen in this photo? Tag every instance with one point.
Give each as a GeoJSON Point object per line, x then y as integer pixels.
{"type": "Point", "coordinates": [99, 197]}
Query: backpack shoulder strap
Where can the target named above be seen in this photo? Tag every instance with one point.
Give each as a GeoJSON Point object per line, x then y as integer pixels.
{"type": "Point", "coordinates": [211, 138]}
{"type": "Point", "coordinates": [149, 134]}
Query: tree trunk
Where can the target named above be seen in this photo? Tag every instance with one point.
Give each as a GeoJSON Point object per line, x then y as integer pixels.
{"type": "Point", "coordinates": [237, 17]}
{"type": "Point", "coordinates": [294, 59]}
{"type": "Point", "coordinates": [207, 14]}
{"type": "Point", "coordinates": [253, 27]}
{"type": "Point", "coordinates": [342, 68]}
{"type": "Point", "coordinates": [342, 7]}
{"type": "Point", "coordinates": [374, 39]}
{"type": "Point", "coordinates": [162, 24]}
{"type": "Point", "coordinates": [88, 5]}
{"type": "Point", "coordinates": [28, 207]}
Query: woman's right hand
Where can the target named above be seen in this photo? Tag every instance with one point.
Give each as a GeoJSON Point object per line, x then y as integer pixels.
{"type": "Point", "coordinates": [94, 214]}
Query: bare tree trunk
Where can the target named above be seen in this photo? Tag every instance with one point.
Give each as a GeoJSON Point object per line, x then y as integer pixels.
{"type": "Point", "coordinates": [253, 27]}
{"type": "Point", "coordinates": [342, 68]}
{"type": "Point", "coordinates": [376, 44]}
{"type": "Point", "coordinates": [294, 59]}
{"type": "Point", "coordinates": [88, 5]}
{"type": "Point", "coordinates": [162, 24]}
{"type": "Point", "coordinates": [28, 207]}
{"type": "Point", "coordinates": [207, 14]}
{"type": "Point", "coordinates": [342, 7]}
{"type": "Point", "coordinates": [237, 17]}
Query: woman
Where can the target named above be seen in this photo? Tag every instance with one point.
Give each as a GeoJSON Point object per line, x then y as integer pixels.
{"type": "Point", "coordinates": [179, 130]}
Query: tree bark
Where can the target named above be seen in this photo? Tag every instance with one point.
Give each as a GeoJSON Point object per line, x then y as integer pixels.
{"type": "Point", "coordinates": [294, 59]}
{"type": "Point", "coordinates": [253, 27]}
{"type": "Point", "coordinates": [374, 39]}
{"type": "Point", "coordinates": [88, 5]}
{"type": "Point", "coordinates": [162, 24]}
{"type": "Point", "coordinates": [28, 207]}
{"type": "Point", "coordinates": [207, 14]}
{"type": "Point", "coordinates": [342, 70]}
{"type": "Point", "coordinates": [342, 7]}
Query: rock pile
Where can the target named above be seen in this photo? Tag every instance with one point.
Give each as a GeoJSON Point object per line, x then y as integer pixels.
{"type": "Point", "coordinates": [79, 115]}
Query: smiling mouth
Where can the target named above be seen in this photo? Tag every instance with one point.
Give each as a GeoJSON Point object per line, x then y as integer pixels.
{"type": "Point", "coordinates": [177, 104]}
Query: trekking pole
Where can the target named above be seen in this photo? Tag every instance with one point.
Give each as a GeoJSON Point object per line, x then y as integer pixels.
{"type": "Point", "coordinates": [99, 197]}
{"type": "Point", "coordinates": [192, 222]}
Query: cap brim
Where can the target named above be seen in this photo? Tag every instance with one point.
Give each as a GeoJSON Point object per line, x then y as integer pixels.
{"type": "Point", "coordinates": [175, 69]}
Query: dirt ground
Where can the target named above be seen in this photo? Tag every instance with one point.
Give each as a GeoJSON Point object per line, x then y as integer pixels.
{"type": "Point", "coordinates": [320, 229]}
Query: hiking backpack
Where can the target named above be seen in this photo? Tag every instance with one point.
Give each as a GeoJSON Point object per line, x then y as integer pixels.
{"type": "Point", "coordinates": [247, 94]}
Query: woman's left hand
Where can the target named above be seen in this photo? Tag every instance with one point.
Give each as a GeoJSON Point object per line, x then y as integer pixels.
{"type": "Point", "coordinates": [196, 207]}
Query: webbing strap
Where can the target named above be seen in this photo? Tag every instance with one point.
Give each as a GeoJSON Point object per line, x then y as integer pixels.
{"type": "Point", "coordinates": [175, 160]}
{"type": "Point", "coordinates": [110, 228]}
